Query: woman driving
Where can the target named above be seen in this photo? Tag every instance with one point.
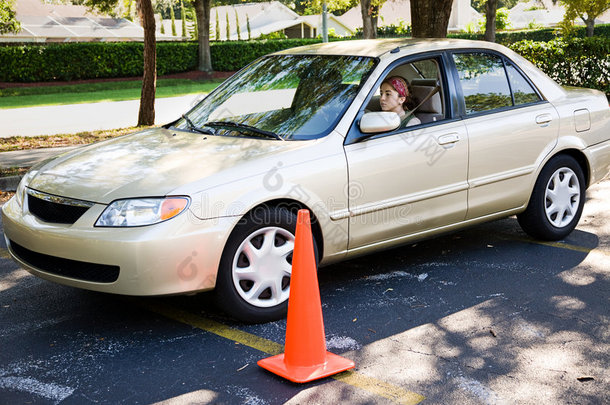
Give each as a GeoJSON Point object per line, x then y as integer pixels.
{"type": "Point", "coordinates": [396, 97]}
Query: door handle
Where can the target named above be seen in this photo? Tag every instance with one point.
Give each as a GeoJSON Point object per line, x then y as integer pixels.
{"type": "Point", "coordinates": [447, 139]}
{"type": "Point", "coordinates": [543, 119]}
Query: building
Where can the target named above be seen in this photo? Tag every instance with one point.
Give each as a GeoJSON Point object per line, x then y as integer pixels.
{"type": "Point", "coordinates": [334, 24]}
{"type": "Point", "coordinates": [393, 12]}
{"type": "Point", "coordinates": [266, 18]}
{"type": "Point", "coordinates": [42, 22]}
{"type": "Point", "coordinates": [167, 27]}
{"type": "Point", "coordinates": [544, 13]}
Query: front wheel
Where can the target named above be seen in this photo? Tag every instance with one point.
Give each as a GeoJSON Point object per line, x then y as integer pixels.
{"type": "Point", "coordinates": [253, 281]}
{"type": "Point", "coordinates": [557, 201]}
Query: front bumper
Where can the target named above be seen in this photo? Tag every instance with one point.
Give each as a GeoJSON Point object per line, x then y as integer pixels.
{"type": "Point", "coordinates": [173, 257]}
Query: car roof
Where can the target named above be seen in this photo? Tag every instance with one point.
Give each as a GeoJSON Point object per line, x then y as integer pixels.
{"type": "Point", "coordinates": [382, 49]}
{"type": "Point", "coordinates": [379, 47]}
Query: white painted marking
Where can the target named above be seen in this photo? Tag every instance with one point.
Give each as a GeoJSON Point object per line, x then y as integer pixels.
{"type": "Point", "coordinates": [486, 395]}
{"type": "Point", "coordinates": [342, 343]}
{"type": "Point", "coordinates": [50, 391]}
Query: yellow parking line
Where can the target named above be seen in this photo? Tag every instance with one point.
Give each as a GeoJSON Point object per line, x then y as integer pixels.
{"type": "Point", "coordinates": [4, 254]}
{"type": "Point", "coordinates": [560, 245]}
{"type": "Point", "coordinates": [379, 388]}
{"type": "Point", "coordinates": [372, 385]}
{"type": "Point", "coordinates": [217, 328]}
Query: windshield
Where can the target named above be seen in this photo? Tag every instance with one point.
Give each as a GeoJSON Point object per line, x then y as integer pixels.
{"type": "Point", "coordinates": [291, 96]}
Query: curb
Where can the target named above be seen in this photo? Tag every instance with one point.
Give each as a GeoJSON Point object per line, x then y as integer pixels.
{"type": "Point", "coordinates": [9, 183]}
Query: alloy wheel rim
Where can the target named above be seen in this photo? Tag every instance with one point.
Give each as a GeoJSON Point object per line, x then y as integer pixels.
{"type": "Point", "coordinates": [562, 197]}
{"type": "Point", "coordinates": [262, 266]}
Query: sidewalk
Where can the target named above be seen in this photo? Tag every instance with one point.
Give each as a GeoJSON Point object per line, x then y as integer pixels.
{"type": "Point", "coordinates": [25, 158]}
{"type": "Point", "coordinates": [74, 118]}
{"type": "Point", "coordinates": [29, 157]}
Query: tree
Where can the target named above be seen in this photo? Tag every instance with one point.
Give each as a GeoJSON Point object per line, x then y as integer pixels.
{"type": "Point", "coordinates": [237, 24]}
{"type": "Point", "coordinates": [248, 27]}
{"type": "Point", "coordinates": [183, 17]}
{"type": "Point", "coordinates": [217, 27]}
{"type": "Point", "coordinates": [8, 22]}
{"type": "Point", "coordinates": [490, 20]}
{"type": "Point", "coordinates": [370, 13]}
{"type": "Point", "coordinates": [228, 28]}
{"type": "Point", "coordinates": [173, 17]}
{"type": "Point", "coordinates": [132, 10]}
{"type": "Point", "coordinates": [587, 10]}
{"type": "Point", "coordinates": [146, 115]}
{"type": "Point", "coordinates": [480, 5]}
{"type": "Point", "coordinates": [430, 19]}
{"type": "Point", "coordinates": [202, 11]}
{"type": "Point", "coordinates": [309, 7]}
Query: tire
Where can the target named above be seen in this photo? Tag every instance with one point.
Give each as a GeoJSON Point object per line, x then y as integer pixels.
{"type": "Point", "coordinates": [252, 287]}
{"type": "Point", "coordinates": [557, 201]}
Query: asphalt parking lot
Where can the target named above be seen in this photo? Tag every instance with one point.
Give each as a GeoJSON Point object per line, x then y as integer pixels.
{"type": "Point", "coordinates": [483, 316]}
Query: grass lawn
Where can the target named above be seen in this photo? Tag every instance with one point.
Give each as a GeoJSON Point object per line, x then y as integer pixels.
{"type": "Point", "coordinates": [95, 92]}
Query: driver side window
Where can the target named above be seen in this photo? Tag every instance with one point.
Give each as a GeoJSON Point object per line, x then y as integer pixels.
{"type": "Point", "coordinates": [424, 101]}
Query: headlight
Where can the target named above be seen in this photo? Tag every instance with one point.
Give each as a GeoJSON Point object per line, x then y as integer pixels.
{"type": "Point", "coordinates": [142, 211]}
{"type": "Point", "coordinates": [20, 192]}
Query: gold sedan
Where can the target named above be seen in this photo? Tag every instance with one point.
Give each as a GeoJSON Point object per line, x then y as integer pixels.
{"type": "Point", "coordinates": [385, 142]}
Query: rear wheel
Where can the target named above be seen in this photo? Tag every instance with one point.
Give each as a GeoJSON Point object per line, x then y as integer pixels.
{"type": "Point", "coordinates": [253, 281]}
{"type": "Point", "coordinates": [557, 201]}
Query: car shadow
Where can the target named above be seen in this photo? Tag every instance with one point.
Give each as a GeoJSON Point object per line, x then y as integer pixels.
{"type": "Point", "coordinates": [486, 305]}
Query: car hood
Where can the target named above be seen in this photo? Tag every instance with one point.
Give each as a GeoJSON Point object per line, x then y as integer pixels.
{"type": "Point", "coordinates": [147, 164]}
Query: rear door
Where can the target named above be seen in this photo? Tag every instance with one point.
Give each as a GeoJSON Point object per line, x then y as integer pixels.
{"type": "Point", "coordinates": [510, 129]}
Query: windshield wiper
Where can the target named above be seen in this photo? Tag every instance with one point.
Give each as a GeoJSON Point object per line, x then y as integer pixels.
{"type": "Point", "coordinates": [193, 127]}
{"type": "Point", "coordinates": [244, 127]}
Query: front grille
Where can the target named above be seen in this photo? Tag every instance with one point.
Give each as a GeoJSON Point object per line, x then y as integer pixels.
{"type": "Point", "coordinates": [55, 209]}
{"type": "Point", "coordinates": [98, 273]}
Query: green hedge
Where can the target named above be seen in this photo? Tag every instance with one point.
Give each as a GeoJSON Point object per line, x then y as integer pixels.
{"type": "Point", "coordinates": [233, 55]}
{"type": "Point", "coordinates": [92, 60]}
{"type": "Point", "coordinates": [579, 61]}
{"type": "Point", "coordinates": [582, 62]}
{"type": "Point", "coordinates": [544, 34]}
{"type": "Point", "coordinates": [89, 60]}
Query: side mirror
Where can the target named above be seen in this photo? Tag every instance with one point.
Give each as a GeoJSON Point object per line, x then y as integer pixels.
{"type": "Point", "coordinates": [381, 121]}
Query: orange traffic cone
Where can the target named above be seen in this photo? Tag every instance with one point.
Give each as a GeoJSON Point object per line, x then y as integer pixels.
{"type": "Point", "coordinates": [305, 358]}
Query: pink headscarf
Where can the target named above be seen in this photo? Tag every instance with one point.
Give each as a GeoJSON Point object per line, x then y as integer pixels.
{"type": "Point", "coordinates": [399, 84]}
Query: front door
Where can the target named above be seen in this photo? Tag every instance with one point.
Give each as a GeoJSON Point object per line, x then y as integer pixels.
{"type": "Point", "coordinates": [406, 183]}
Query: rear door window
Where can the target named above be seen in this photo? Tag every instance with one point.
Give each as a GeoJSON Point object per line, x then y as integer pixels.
{"type": "Point", "coordinates": [523, 92]}
{"type": "Point", "coordinates": [484, 82]}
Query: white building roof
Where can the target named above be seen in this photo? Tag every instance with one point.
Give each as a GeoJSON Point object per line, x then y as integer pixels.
{"type": "Point", "coordinates": [394, 11]}
{"type": "Point", "coordinates": [532, 12]}
{"type": "Point", "coordinates": [42, 22]}
{"type": "Point", "coordinates": [545, 13]}
{"type": "Point", "coordinates": [334, 22]}
{"type": "Point", "coordinates": [265, 18]}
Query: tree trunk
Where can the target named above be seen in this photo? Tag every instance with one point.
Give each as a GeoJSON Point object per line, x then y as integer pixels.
{"type": "Point", "coordinates": [430, 19]}
{"type": "Point", "coordinates": [202, 10]}
{"type": "Point", "coordinates": [369, 19]}
{"type": "Point", "coordinates": [590, 22]}
{"type": "Point", "coordinates": [490, 20]}
{"type": "Point", "coordinates": [146, 116]}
